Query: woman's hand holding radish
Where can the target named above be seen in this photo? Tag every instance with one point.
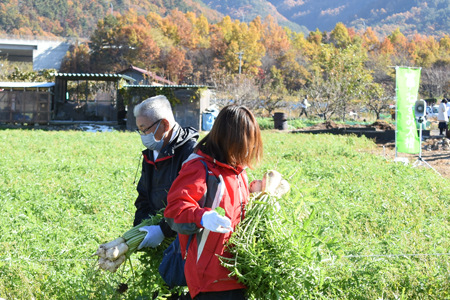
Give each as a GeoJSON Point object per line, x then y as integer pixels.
{"type": "Point", "coordinates": [212, 221]}
{"type": "Point", "coordinates": [153, 238]}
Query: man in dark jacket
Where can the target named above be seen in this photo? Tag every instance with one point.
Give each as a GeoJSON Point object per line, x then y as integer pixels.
{"type": "Point", "coordinates": [168, 146]}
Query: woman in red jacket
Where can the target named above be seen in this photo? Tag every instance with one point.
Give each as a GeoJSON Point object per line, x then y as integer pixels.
{"type": "Point", "coordinates": [233, 144]}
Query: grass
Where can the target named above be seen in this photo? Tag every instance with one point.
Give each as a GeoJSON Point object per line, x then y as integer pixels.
{"type": "Point", "coordinates": [268, 123]}
{"type": "Point", "coordinates": [63, 193]}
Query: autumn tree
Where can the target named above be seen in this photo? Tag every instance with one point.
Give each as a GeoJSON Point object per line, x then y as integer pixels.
{"type": "Point", "coordinates": [233, 89]}
{"type": "Point", "coordinates": [444, 46]}
{"type": "Point", "coordinates": [246, 39]}
{"type": "Point", "coordinates": [340, 36]}
{"type": "Point", "coordinates": [379, 97]}
{"type": "Point", "coordinates": [77, 59]}
{"type": "Point", "coordinates": [108, 48]}
{"type": "Point", "coordinates": [424, 51]}
{"type": "Point", "coordinates": [398, 48]}
{"type": "Point", "coordinates": [435, 79]}
{"type": "Point", "coordinates": [274, 38]}
{"type": "Point", "coordinates": [315, 37]}
{"type": "Point", "coordinates": [177, 66]}
{"type": "Point", "coordinates": [272, 91]}
{"type": "Point", "coordinates": [369, 40]}
{"type": "Point", "coordinates": [293, 69]}
{"type": "Point", "coordinates": [339, 79]}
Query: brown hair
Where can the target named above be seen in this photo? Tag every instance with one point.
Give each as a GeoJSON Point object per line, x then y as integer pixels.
{"type": "Point", "coordinates": [235, 138]}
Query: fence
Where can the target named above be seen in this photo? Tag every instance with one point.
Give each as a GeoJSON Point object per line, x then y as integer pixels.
{"type": "Point", "coordinates": [31, 107]}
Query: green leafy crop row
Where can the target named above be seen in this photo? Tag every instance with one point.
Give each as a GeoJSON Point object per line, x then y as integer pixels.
{"type": "Point", "coordinates": [64, 193]}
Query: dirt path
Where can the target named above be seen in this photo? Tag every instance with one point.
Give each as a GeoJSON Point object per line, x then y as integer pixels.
{"type": "Point", "coordinates": [438, 158]}
{"type": "Point", "coordinates": [435, 149]}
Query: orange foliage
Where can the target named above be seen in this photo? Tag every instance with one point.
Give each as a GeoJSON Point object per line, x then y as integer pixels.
{"type": "Point", "coordinates": [370, 40]}
{"type": "Point", "coordinates": [190, 45]}
{"type": "Point", "coordinates": [177, 65]}
{"type": "Point", "coordinates": [386, 47]}
{"type": "Point", "coordinates": [274, 38]}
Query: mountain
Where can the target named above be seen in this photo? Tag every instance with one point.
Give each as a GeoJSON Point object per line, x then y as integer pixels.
{"type": "Point", "coordinates": [423, 17]}
{"type": "Point", "coordinates": [247, 10]}
{"type": "Point", "coordinates": [429, 17]}
{"type": "Point", "coordinates": [322, 14]}
{"type": "Point", "coordinates": [80, 17]}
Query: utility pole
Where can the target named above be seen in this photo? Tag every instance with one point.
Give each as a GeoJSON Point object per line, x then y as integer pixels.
{"type": "Point", "coordinates": [240, 60]}
{"type": "Point", "coordinates": [112, 10]}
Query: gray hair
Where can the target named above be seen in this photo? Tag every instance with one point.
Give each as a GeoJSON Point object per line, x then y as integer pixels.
{"type": "Point", "coordinates": [155, 108]}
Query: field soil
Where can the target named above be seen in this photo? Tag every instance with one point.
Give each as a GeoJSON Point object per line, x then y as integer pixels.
{"type": "Point", "coordinates": [378, 125]}
{"type": "Point", "coordinates": [435, 148]}
{"type": "Point", "coordinates": [435, 152]}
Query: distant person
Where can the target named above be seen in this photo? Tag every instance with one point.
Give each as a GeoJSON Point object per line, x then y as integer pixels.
{"type": "Point", "coordinates": [353, 114]}
{"type": "Point", "coordinates": [443, 117]}
{"type": "Point", "coordinates": [304, 106]}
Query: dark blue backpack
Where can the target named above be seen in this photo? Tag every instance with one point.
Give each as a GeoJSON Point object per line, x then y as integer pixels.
{"type": "Point", "coordinates": [171, 268]}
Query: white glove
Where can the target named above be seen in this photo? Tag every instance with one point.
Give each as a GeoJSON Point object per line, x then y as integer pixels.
{"type": "Point", "coordinates": [214, 222]}
{"type": "Point", "coordinates": [153, 238]}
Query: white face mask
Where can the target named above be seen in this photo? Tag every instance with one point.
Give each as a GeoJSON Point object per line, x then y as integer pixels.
{"type": "Point", "coordinates": [150, 142]}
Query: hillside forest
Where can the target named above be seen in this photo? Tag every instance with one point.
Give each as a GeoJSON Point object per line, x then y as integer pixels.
{"type": "Point", "coordinates": [337, 69]}
{"type": "Point", "coordinates": [340, 70]}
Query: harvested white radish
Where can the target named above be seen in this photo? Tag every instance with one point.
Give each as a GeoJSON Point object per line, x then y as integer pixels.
{"type": "Point", "coordinates": [271, 181]}
{"type": "Point", "coordinates": [115, 252]}
{"type": "Point", "coordinates": [101, 263]}
{"type": "Point", "coordinates": [255, 186]}
{"type": "Point", "coordinates": [116, 242]}
{"type": "Point", "coordinates": [113, 266]}
{"type": "Point", "coordinates": [282, 188]}
{"type": "Point", "coordinates": [101, 252]}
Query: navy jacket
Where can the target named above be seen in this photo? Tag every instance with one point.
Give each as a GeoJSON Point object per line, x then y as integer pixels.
{"type": "Point", "coordinates": [158, 175]}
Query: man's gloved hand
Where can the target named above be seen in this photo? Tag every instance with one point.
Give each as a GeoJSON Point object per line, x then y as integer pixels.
{"type": "Point", "coordinates": [153, 238]}
{"type": "Point", "coordinates": [211, 220]}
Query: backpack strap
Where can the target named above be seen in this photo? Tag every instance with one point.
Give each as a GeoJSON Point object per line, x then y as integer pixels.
{"type": "Point", "coordinates": [212, 183]}
{"type": "Point", "coordinates": [187, 245]}
{"type": "Point", "coordinates": [207, 172]}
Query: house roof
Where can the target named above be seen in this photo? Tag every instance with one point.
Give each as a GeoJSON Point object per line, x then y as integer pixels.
{"type": "Point", "coordinates": [151, 74]}
{"type": "Point", "coordinates": [170, 85]}
{"type": "Point", "coordinates": [92, 76]}
{"type": "Point", "coordinates": [26, 84]}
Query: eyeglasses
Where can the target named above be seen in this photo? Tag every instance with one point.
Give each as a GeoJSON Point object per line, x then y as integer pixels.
{"type": "Point", "coordinates": [143, 132]}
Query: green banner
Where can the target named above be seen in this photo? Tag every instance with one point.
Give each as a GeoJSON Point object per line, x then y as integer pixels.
{"type": "Point", "coordinates": [407, 86]}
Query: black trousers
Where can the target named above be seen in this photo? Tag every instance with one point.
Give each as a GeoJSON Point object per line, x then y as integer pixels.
{"type": "Point", "coordinates": [224, 295]}
{"type": "Point", "coordinates": [303, 112]}
{"type": "Point", "coordinates": [442, 128]}
{"type": "Point", "coordinates": [181, 297]}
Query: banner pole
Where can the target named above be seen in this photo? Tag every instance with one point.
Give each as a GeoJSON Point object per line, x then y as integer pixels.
{"type": "Point", "coordinates": [396, 108]}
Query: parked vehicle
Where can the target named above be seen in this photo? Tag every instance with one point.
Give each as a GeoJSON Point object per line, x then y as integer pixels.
{"type": "Point", "coordinates": [432, 111]}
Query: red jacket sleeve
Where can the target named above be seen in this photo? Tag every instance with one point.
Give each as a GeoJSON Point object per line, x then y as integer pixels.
{"type": "Point", "coordinates": [183, 212]}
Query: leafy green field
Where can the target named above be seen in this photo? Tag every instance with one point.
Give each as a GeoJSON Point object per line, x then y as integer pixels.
{"type": "Point", "coordinates": [268, 123]}
{"type": "Point", "coordinates": [63, 193]}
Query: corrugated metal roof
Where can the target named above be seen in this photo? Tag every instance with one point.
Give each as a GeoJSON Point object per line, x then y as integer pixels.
{"type": "Point", "coordinates": [172, 86]}
{"type": "Point", "coordinates": [151, 74]}
{"type": "Point", "coordinates": [92, 76]}
{"type": "Point", "coordinates": [26, 84]}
